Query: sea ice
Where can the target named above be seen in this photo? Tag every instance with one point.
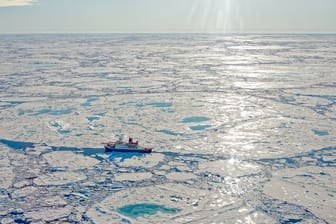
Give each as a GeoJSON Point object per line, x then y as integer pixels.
{"type": "Point", "coordinates": [70, 160]}
{"type": "Point", "coordinates": [229, 168]}
{"type": "Point", "coordinates": [146, 161]}
{"type": "Point", "coordinates": [48, 214]}
{"type": "Point", "coordinates": [25, 192]}
{"type": "Point", "coordinates": [180, 176]}
{"type": "Point", "coordinates": [137, 176]}
{"type": "Point", "coordinates": [189, 200]}
{"type": "Point", "coordinates": [7, 177]}
{"type": "Point", "coordinates": [59, 178]}
{"type": "Point", "coordinates": [243, 128]}
{"type": "Point", "coordinates": [311, 187]}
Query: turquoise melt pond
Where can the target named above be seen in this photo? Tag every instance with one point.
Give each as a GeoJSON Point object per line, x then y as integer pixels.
{"type": "Point", "coordinates": [199, 127]}
{"type": "Point", "coordinates": [320, 133]}
{"type": "Point", "coordinates": [169, 132]}
{"type": "Point", "coordinates": [161, 104]}
{"type": "Point", "coordinates": [137, 210]}
{"type": "Point", "coordinates": [194, 119]}
{"type": "Point", "coordinates": [88, 101]}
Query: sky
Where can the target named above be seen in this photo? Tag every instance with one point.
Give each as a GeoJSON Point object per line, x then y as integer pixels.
{"type": "Point", "coordinates": [161, 16]}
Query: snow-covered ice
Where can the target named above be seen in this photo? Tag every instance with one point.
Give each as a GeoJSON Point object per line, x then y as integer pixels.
{"type": "Point", "coordinates": [243, 128]}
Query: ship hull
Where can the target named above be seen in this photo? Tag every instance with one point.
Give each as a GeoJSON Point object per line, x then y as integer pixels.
{"type": "Point", "coordinates": [123, 149]}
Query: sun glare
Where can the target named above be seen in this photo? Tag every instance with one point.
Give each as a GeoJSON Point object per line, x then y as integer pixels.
{"type": "Point", "coordinates": [216, 16]}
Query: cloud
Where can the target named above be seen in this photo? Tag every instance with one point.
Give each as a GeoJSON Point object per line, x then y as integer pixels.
{"type": "Point", "coordinates": [7, 3]}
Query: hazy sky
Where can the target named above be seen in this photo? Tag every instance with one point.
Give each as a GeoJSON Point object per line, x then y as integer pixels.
{"type": "Point", "coordinates": [227, 16]}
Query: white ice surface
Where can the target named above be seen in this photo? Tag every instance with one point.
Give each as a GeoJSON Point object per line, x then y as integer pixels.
{"type": "Point", "coordinates": [264, 153]}
{"type": "Point", "coordinates": [69, 160]}
{"type": "Point", "coordinates": [311, 187]}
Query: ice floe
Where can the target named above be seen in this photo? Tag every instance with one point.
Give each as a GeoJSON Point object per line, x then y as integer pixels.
{"type": "Point", "coordinates": [180, 176]}
{"type": "Point", "coordinates": [311, 187]}
{"type": "Point", "coordinates": [70, 160]}
{"type": "Point", "coordinates": [132, 176]}
{"type": "Point", "coordinates": [49, 214]}
{"type": "Point", "coordinates": [146, 161]}
{"type": "Point", "coordinates": [59, 178]}
{"type": "Point", "coordinates": [229, 168]}
{"type": "Point", "coordinates": [7, 177]}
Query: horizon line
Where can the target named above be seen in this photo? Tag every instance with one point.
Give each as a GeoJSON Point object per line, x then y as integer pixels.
{"type": "Point", "coordinates": [222, 33]}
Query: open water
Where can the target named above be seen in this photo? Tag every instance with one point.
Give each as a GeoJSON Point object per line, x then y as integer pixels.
{"type": "Point", "coordinates": [243, 126]}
